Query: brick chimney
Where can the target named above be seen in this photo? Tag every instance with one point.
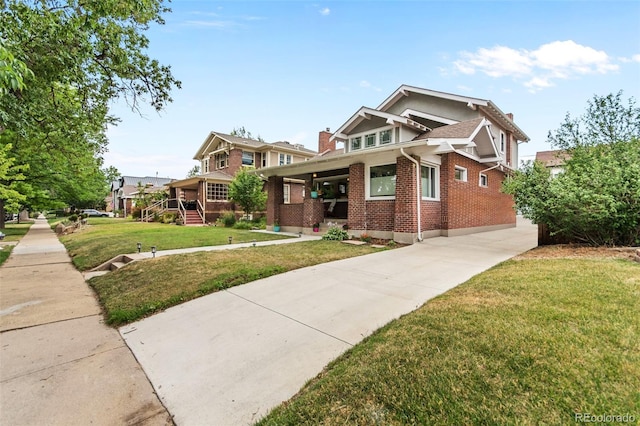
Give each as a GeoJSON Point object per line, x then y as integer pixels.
{"type": "Point", "coordinates": [510, 115]}
{"type": "Point", "coordinates": [324, 142]}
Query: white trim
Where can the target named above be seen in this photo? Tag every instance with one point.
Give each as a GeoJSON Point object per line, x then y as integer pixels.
{"type": "Point", "coordinates": [404, 90]}
{"type": "Point", "coordinates": [367, 181]}
{"type": "Point", "coordinates": [407, 112]}
{"type": "Point", "coordinates": [464, 173]}
{"type": "Point", "coordinates": [436, 197]}
{"type": "Point", "coordinates": [486, 179]}
{"type": "Point", "coordinates": [286, 193]}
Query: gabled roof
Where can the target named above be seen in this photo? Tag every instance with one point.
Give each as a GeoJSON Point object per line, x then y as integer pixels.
{"type": "Point", "coordinates": [193, 181]}
{"type": "Point", "coordinates": [250, 143]}
{"type": "Point", "coordinates": [144, 180]}
{"type": "Point", "coordinates": [365, 113]}
{"type": "Point", "coordinates": [462, 130]}
{"type": "Point", "coordinates": [466, 134]}
{"type": "Point", "coordinates": [484, 105]}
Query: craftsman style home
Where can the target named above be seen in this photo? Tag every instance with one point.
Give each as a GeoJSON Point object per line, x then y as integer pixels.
{"type": "Point", "coordinates": [423, 163]}
{"type": "Point", "coordinates": [201, 198]}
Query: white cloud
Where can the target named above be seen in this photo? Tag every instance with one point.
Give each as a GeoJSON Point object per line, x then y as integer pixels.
{"type": "Point", "coordinates": [551, 61]}
{"type": "Point", "coordinates": [636, 58]}
{"type": "Point", "coordinates": [325, 11]}
{"type": "Point", "coordinates": [211, 24]}
{"type": "Point", "coordinates": [365, 83]}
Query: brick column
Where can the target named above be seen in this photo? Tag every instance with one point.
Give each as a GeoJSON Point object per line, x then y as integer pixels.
{"type": "Point", "coordinates": [357, 209]}
{"type": "Point", "coordinates": [406, 212]}
{"type": "Point", "coordinates": [312, 212]}
{"type": "Point", "coordinates": [275, 197]}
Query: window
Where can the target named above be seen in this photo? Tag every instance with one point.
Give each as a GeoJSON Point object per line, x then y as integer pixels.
{"type": "Point", "coordinates": [287, 193]}
{"type": "Point", "coordinates": [382, 181]}
{"type": "Point", "coordinates": [217, 191]}
{"type": "Point", "coordinates": [370, 140]}
{"type": "Point", "coordinates": [205, 165]}
{"type": "Point", "coordinates": [221, 160]}
{"type": "Point", "coordinates": [385, 137]}
{"type": "Point", "coordinates": [429, 183]}
{"type": "Point", "coordinates": [502, 142]}
{"type": "Point", "coordinates": [247, 158]}
{"type": "Point", "coordinates": [264, 159]}
{"type": "Point", "coordinates": [460, 174]}
{"type": "Point", "coordinates": [285, 159]}
{"type": "Point", "coordinates": [356, 143]}
{"type": "Point", "coordinates": [484, 180]}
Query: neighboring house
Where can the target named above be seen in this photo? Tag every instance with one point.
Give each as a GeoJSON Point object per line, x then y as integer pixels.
{"type": "Point", "coordinates": [423, 163]}
{"type": "Point", "coordinates": [125, 189]}
{"type": "Point", "coordinates": [221, 156]}
{"type": "Point", "coordinates": [553, 160]}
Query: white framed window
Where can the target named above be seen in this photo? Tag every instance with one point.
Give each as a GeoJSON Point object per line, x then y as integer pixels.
{"type": "Point", "coordinates": [265, 155]}
{"type": "Point", "coordinates": [286, 189]}
{"type": "Point", "coordinates": [221, 160]}
{"type": "Point", "coordinates": [370, 140]}
{"type": "Point", "coordinates": [385, 137]}
{"type": "Point", "coordinates": [356, 143]}
{"type": "Point", "coordinates": [382, 181]}
{"type": "Point", "coordinates": [483, 181]}
{"type": "Point", "coordinates": [503, 142]}
{"type": "Point", "coordinates": [205, 165]}
{"type": "Point", "coordinates": [217, 191]}
{"type": "Point", "coordinates": [248, 158]}
{"type": "Point", "coordinates": [460, 174]}
{"type": "Point", "coordinates": [429, 182]}
{"type": "Point", "coordinates": [284, 159]}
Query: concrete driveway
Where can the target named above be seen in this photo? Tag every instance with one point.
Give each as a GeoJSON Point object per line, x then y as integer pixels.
{"type": "Point", "coordinates": [230, 357]}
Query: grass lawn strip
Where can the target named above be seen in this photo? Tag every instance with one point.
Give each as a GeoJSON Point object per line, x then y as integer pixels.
{"type": "Point", "coordinates": [527, 342]}
{"type": "Point", "coordinates": [13, 232]}
{"type": "Point", "coordinates": [104, 238]}
{"type": "Point", "coordinates": [148, 286]}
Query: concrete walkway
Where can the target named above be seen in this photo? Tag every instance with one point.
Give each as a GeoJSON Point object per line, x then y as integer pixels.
{"type": "Point", "coordinates": [229, 357]}
{"type": "Point", "coordinates": [59, 364]}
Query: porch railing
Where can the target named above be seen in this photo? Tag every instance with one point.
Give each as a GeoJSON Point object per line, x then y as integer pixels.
{"type": "Point", "coordinates": [183, 211]}
{"type": "Point", "coordinates": [157, 208]}
{"type": "Point", "coordinates": [200, 209]}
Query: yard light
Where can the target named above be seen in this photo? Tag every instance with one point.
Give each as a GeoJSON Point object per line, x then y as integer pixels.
{"type": "Point", "coordinates": [299, 234]}
{"type": "Point", "coordinates": [230, 239]}
{"type": "Point", "coordinates": [153, 250]}
{"type": "Point", "coordinates": [139, 247]}
{"type": "Point", "coordinates": [254, 243]}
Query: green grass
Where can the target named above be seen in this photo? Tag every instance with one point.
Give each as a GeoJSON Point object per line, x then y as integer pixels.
{"type": "Point", "coordinates": [527, 342]}
{"type": "Point", "coordinates": [5, 252]}
{"type": "Point", "coordinates": [148, 286]}
{"type": "Point", "coordinates": [15, 231]}
{"type": "Point", "coordinates": [104, 238]}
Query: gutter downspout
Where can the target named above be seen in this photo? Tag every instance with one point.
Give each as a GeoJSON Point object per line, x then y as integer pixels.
{"type": "Point", "coordinates": [418, 193]}
{"type": "Point", "coordinates": [491, 168]}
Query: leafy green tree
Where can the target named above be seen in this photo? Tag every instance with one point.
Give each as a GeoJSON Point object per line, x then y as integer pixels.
{"type": "Point", "coordinates": [246, 190]}
{"type": "Point", "coordinates": [11, 177]}
{"type": "Point", "coordinates": [195, 171]}
{"type": "Point", "coordinates": [241, 132]}
{"type": "Point", "coordinates": [78, 56]}
{"type": "Point", "coordinates": [596, 200]}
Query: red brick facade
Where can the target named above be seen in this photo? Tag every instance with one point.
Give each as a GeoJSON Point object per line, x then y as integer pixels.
{"type": "Point", "coordinates": [325, 143]}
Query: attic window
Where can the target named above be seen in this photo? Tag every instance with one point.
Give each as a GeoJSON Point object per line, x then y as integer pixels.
{"type": "Point", "coordinates": [356, 143]}
{"type": "Point", "coordinates": [385, 137]}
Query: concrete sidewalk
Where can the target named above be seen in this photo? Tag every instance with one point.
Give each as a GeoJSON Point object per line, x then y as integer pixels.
{"type": "Point", "coordinates": [229, 357]}
{"type": "Point", "coordinates": [59, 364]}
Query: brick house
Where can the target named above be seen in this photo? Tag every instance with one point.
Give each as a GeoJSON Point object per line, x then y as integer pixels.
{"type": "Point", "coordinates": [220, 156]}
{"type": "Point", "coordinates": [123, 192]}
{"type": "Point", "coordinates": [422, 164]}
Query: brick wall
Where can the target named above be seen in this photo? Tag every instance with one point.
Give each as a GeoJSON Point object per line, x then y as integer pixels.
{"type": "Point", "coordinates": [291, 214]}
{"type": "Point", "coordinates": [296, 193]}
{"type": "Point", "coordinates": [275, 197]}
{"type": "Point", "coordinates": [324, 142]}
{"type": "Point", "coordinates": [467, 204]}
{"type": "Point", "coordinates": [312, 212]}
{"type": "Point", "coordinates": [379, 215]}
{"type": "Point", "coordinates": [235, 161]}
{"type": "Point", "coordinates": [357, 207]}
{"type": "Point", "coordinates": [406, 212]}
{"type": "Point", "coordinates": [430, 215]}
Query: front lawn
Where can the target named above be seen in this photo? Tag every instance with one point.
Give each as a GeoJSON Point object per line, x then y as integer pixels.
{"type": "Point", "coordinates": [15, 231]}
{"type": "Point", "coordinates": [528, 342]}
{"type": "Point", "coordinates": [104, 238]}
{"type": "Point", "coordinates": [148, 286]}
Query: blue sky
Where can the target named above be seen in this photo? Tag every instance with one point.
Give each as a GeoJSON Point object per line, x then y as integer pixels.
{"type": "Point", "coordinates": [287, 69]}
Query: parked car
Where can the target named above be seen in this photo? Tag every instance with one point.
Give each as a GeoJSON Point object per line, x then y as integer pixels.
{"type": "Point", "coordinates": [10, 217]}
{"type": "Point", "coordinates": [94, 212]}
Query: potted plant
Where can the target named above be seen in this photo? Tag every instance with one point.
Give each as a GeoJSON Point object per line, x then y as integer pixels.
{"type": "Point", "coordinates": [276, 226]}
{"type": "Point", "coordinates": [316, 227]}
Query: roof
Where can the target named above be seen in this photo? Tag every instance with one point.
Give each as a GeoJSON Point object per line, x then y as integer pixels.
{"type": "Point", "coordinates": [250, 143]}
{"type": "Point", "coordinates": [365, 113]}
{"type": "Point", "coordinates": [485, 105]}
{"type": "Point", "coordinates": [194, 180]}
{"type": "Point", "coordinates": [464, 129]}
{"type": "Point", "coordinates": [552, 158]}
{"type": "Point", "coordinates": [144, 180]}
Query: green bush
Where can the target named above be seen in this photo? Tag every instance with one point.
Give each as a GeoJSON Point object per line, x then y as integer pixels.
{"type": "Point", "coordinates": [243, 224]}
{"type": "Point", "coordinates": [336, 233]}
{"type": "Point", "coordinates": [73, 218]}
{"type": "Point", "coordinates": [227, 218]}
{"type": "Point", "coordinates": [136, 212]}
{"type": "Point", "coordinates": [168, 218]}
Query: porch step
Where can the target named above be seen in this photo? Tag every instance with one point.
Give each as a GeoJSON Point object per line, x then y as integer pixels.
{"type": "Point", "coordinates": [116, 265]}
{"type": "Point", "coordinates": [193, 218]}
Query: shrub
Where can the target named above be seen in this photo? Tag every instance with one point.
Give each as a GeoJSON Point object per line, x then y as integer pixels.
{"type": "Point", "coordinates": [365, 237]}
{"type": "Point", "coordinates": [336, 233]}
{"type": "Point", "coordinates": [227, 218]}
{"type": "Point", "coordinates": [243, 224]}
{"type": "Point", "coordinates": [168, 218]}
{"type": "Point", "coordinates": [136, 212]}
{"type": "Point", "coordinates": [73, 218]}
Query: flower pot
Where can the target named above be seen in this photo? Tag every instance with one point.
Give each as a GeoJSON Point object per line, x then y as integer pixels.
{"type": "Point", "coordinates": [315, 229]}
{"type": "Point", "coordinates": [276, 228]}
{"type": "Point", "coordinates": [314, 194]}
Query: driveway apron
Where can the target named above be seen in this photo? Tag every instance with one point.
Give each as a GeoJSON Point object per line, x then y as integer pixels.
{"type": "Point", "coordinates": [59, 364]}
{"type": "Point", "coordinates": [230, 357]}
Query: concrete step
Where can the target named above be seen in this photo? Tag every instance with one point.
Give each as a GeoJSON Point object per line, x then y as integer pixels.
{"type": "Point", "coordinates": [116, 265]}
